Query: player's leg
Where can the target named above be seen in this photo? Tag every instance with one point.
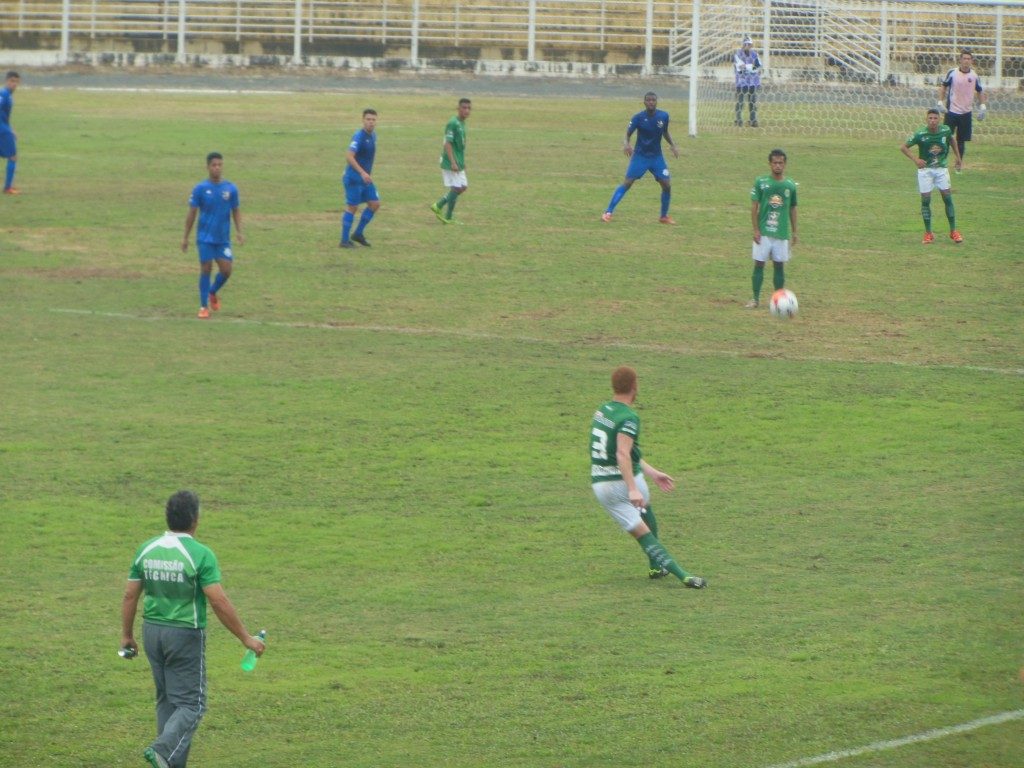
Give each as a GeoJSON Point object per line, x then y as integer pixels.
{"type": "Point", "coordinates": [655, 571]}
{"type": "Point", "coordinates": [752, 95]}
{"type": "Point", "coordinates": [453, 198]}
{"type": "Point", "coordinates": [739, 106]}
{"type": "Point", "coordinates": [946, 190]}
{"type": "Point", "coordinates": [925, 184]}
{"type": "Point", "coordinates": [186, 690]}
{"type": "Point", "coordinates": [372, 204]}
{"type": "Point", "coordinates": [780, 255]}
{"type": "Point", "coordinates": [353, 197]}
{"type": "Point", "coordinates": [963, 132]}
{"type": "Point", "coordinates": [659, 169]}
{"type": "Point", "coordinates": [9, 150]}
{"type": "Point", "coordinates": [621, 190]}
{"type": "Point", "coordinates": [760, 253]}
{"type": "Point", "coordinates": [224, 264]}
{"type": "Point", "coordinates": [207, 255]}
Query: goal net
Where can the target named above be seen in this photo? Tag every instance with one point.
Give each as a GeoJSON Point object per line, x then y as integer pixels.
{"type": "Point", "coordinates": [849, 66]}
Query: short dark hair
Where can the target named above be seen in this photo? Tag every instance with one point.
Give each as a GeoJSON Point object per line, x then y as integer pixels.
{"type": "Point", "coordinates": [369, 112]}
{"type": "Point", "coordinates": [623, 380]}
{"type": "Point", "coordinates": [464, 100]}
{"type": "Point", "coordinates": [214, 156]}
{"type": "Point", "coordinates": [776, 153]}
{"type": "Point", "coordinates": [11, 73]}
{"type": "Point", "coordinates": [650, 93]}
{"type": "Point", "coordinates": [934, 111]}
{"type": "Point", "coordinates": [967, 52]}
{"type": "Point", "coordinates": [182, 511]}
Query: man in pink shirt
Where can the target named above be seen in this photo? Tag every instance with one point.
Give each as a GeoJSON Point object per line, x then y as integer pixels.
{"type": "Point", "coordinates": [956, 99]}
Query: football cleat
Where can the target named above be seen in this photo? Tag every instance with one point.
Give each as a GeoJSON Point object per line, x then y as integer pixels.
{"type": "Point", "coordinates": [360, 239]}
{"type": "Point", "coordinates": [214, 302]}
{"type": "Point", "coordinates": [928, 238]}
{"type": "Point", "coordinates": [695, 582]}
{"type": "Point", "coordinates": [606, 216]}
{"type": "Point", "coordinates": [956, 237]}
{"type": "Point", "coordinates": [440, 216]}
{"type": "Point", "coordinates": [752, 304]}
{"type": "Point", "coordinates": [346, 244]}
{"type": "Point", "coordinates": [204, 313]}
{"type": "Point", "coordinates": [657, 573]}
{"type": "Point", "coordinates": [12, 191]}
{"type": "Point", "coordinates": [667, 220]}
{"type": "Point", "coordinates": [154, 758]}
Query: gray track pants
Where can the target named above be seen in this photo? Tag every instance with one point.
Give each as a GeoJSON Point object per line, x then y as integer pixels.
{"type": "Point", "coordinates": [177, 657]}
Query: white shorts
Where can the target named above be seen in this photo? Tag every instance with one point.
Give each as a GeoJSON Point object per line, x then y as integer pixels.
{"type": "Point", "coordinates": [772, 247]}
{"type": "Point", "coordinates": [454, 178]}
{"type": "Point", "coordinates": [930, 178]}
{"type": "Point", "coordinates": [614, 496]}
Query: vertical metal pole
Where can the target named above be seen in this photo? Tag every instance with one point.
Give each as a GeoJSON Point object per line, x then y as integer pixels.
{"type": "Point", "coordinates": [694, 62]}
{"type": "Point", "coordinates": [531, 31]}
{"type": "Point", "coordinates": [297, 34]}
{"type": "Point", "coordinates": [649, 44]}
{"type": "Point", "coordinates": [414, 43]}
{"type": "Point", "coordinates": [883, 54]}
{"type": "Point", "coordinates": [65, 32]}
{"type": "Point", "coordinates": [180, 58]}
{"type": "Point", "coordinates": [997, 74]}
{"type": "Point", "coordinates": [766, 35]}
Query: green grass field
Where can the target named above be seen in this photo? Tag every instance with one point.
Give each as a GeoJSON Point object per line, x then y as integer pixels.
{"type": "Point", "coordinates": [390, 443]}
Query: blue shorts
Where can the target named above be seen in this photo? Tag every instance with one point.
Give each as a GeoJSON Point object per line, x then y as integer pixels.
{"type": "Point", "coordinates": [8, 146]}
{"type": "Point", "coordinates": [357, 192]}
{"type": "Point", "coordinates": [212, 251]}
{"type": "Point", "coordinates": [641, 164]}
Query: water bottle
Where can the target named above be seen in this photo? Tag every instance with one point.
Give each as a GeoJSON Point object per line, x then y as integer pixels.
{"type": "Point", "coordinates": [250, 658]}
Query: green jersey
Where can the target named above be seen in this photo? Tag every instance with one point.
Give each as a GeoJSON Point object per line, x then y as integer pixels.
{"type": "Point", "coordinates": [775, 198]}
{"type": "Point", "coordinates": [454, 134]}
{"type": "Point", "coordinates": [611, 420]}
{"type": "Point", "coordinates": [173, 569]}
{"type": "Point", "coordinates": [933, 148]}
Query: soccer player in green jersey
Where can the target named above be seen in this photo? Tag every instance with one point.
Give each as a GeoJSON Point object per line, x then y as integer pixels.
{"type": "Point", "coordinates": [934, 142]}
{"type": "Point", "coordinates": [773, 216]}
{"type": "Point", "coordinates": [178, 576]}
{"type": "Point", "coordinates": [618, 471]}
{"type": "Point", "coordinates": [453, 163]}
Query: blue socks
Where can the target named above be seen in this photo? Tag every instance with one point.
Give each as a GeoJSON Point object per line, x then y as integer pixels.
{"type": "Point", "coordinates": [204, 290]}
{"type": "Point", "coordinates": [218, 282]}
{"type": "Point", "coordinates": [619, 193]}
{"type": "Point", "coordinates": [346, 225]}
{"type": "Point", "coordinates": [666, 198]}
{"type": "Point", "coordinates": [9, 178]}
{"type": "Point", "coordinates": [363, 220]}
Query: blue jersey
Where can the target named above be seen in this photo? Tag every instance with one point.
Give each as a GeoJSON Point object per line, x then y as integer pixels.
{"type": "Point", "coordinates": [649, 130]}
{"type": "Point", "coordinates": [6, 105]}
{"type": "Point", "coordinates": [364, 145]}
{"type": "Point", "coordinates": [215, 203]}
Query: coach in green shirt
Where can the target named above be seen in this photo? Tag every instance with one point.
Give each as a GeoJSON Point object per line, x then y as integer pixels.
{"type": "Point", "coordinates": [178, 576]}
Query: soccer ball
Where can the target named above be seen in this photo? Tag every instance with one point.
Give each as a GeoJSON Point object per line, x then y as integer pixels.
{"type": "Point", "coordinates": [783, 303]}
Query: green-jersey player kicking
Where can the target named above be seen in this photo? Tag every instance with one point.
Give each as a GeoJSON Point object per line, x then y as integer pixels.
{"type": "Point", "coordinates": [934, 142]}
{"type": "Point", "coordinates": [618, 471]}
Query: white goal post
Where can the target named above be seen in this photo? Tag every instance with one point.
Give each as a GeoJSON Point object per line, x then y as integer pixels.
{"type": "Point", "coordinates": [850, 66]}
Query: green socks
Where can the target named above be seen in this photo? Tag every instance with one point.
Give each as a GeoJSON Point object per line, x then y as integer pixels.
{"type": "Point", "coordinates": [658, 555]}
{"type": "Point", "coordinates": [757, 280]}
{"type": "Point", "coordinates": [452, 197]}
{"type": "Point", "coordinates": [926, 213]}
{"type": "Point", "coordinates": [652, 522]}
{"type": "Point", "coordinates": [950, 211]}
{"type": "Point", "coordinates": [778, 275]}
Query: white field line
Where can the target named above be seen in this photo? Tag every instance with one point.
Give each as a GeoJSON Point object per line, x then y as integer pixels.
{"type": "Point", "coordinates": [881, 746]}
{"type": "Point", "coordinates": [487, 336]}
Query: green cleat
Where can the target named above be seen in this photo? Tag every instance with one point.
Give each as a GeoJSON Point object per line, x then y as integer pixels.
{"type": "Point", "coordinates": [440, 216]}
{"type": "Point", "coordinates": [695, 582]}
{"type": "Point", "coordinates": [657, 573]}
{"type": "Point", "coordinates": [154, 758]}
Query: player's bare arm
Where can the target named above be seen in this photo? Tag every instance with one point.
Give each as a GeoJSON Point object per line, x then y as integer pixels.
{"type": "Point", "coordinates": [190, 219]}
{"type": "Point", "coordinates": [627, 148]}
{"type": "Point", "coordinates": [350, 158]}
{"type": "Point", "coordinates": [624, 459]}
{"type": "Point", "coordinates": [671, 144]}
{"type": "Point", "coordinates": [451, 156]}
{"type": "Point", "coordinates": [755, 208]}
{"type": "Point", "coordinates": [792, 225]}
{"type": "Point", "coordinates": [663, 480]}
{"type": "Point", "coordinates": [905, 149]}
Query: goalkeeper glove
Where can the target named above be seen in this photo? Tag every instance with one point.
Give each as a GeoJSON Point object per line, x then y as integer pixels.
{"type": "Point", "coordinates": [982, 110]}
{"type": "Point", "coordinates": [941, 107]}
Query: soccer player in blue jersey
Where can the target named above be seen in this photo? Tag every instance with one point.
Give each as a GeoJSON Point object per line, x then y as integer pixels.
{"type": "Point", "coordinates": [359, 186]}
{"type": "Point", "coordinates": [650, 126]}
{"type": "Point", "coordinates": [215, 201]}
{"type": "Point", "coordinates": [8, 141]}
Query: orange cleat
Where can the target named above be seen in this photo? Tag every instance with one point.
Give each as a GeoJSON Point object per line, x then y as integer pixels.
{"type": "Point", "coordinates": [214, 302]}
{"type": "Point", "coordinates": [12, 191]}
{"type": "Point", "coordinates": [667, 220]}
{"type": "Point", "coordinates": [928, 238]}
{"type": "Point", "coordinates": [204, 313]}
{"type": "Point", "coordinates": [956, 237]}
{"type": "Point", "coordinates": [606, 216]}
